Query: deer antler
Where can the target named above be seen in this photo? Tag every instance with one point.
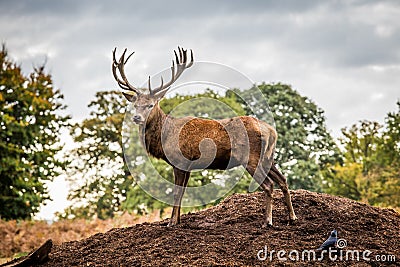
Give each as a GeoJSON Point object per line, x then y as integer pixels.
{"type": "Point", "coordinates": [124, 83]}
{"type": "Point", "coordinates": [181, 65]}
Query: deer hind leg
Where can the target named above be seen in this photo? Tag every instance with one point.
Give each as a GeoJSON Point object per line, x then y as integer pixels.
{"type": "Point", "coordinates": [267, 186]}
{"type": "Point", "coordinates": [281, 180]}
{"type": "Point", "coordinates": [181, 179]}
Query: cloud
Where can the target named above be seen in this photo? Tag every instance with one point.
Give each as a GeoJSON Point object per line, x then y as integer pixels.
{"type": "Point", "coordinates": [342, 54]}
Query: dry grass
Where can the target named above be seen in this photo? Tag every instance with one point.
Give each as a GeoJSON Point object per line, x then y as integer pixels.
{"type": "Point", "coordinates": [19, 238]}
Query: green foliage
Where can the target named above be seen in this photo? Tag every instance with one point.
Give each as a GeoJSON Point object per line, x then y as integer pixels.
{"type": "Point", "coordinates": [97, 171]}
{"type": "Point", "coordinates": [389, 147]}
{"type": "Point", "coordinates": [30, 124]}
{"type": "Point", "coordinates": [371, 170]}
{"type": "Point", "coordinates": [361, 142]}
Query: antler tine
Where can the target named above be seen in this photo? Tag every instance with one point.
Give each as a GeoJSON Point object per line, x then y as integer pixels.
{"type": "Point", "coordinates": [184, 55]}
{"type": "Point", "coordinates": [149, 85]}
{"type": "Point", "coordinates": [173, 70]}
{"type": "Point", "coordinates": [121, 68]}
{"type": "Point", "coordinates": [181, 65]}
{"type": "Point", "coordinates": [126, 60]}
{"type": "Point", "coordinates": [124, 83]}
{"type": "Point", "coordinates": [191, 59]}
{"type": "Point", "coordinates": [176, 57]}
{"type": "Point", "coordinates": [114, 70]}
{"type": "Point", "coordinates": [181, 54]}
{"type": "Point", "coordinates": [162, 82]}
{"type": "Point", "coordinates": [114, 67]}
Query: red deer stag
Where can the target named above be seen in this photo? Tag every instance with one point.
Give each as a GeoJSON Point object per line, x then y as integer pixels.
{"type": "Point", "coordinates": [190, 143]}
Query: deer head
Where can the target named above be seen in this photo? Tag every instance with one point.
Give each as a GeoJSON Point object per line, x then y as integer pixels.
{"type": "Point", "coordinates": [145, 102]}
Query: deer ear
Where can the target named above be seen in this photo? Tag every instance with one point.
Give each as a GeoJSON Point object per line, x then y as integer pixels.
{"type": "Point", "coordinates": [129, 97]}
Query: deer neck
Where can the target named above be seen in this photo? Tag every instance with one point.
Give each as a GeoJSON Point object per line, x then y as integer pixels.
{"type": "Point", "coordinates": [152, 132]}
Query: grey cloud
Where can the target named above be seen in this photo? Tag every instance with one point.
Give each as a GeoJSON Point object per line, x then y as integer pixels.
{"type": "Point", "coordinates": [314, 45]}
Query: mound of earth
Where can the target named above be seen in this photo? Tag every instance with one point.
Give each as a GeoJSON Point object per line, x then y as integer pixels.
{"type": "Point", "coordinates": [230, 234]}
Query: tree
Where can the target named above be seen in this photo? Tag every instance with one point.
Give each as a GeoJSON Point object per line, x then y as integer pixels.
{"type": "Point", "coordinates": [97, 171]}
{"type": "Point", "coordinates": [304, 146]}
{"type": "Point", "coordinates": [371, 169]}
{"type": "Point", "coordinates": [30, 123]}
{"type": "Point", "coordinates": [388, 161]}
{"type": "Point", "coordinates": [352, 178]}
{"type": "Point", "coordinates": [361, 142]}
{"type": "Point", "coordinates": [389, 147]}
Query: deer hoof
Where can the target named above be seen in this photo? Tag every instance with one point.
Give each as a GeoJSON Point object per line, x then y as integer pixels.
{"type": "Point", "coordinates": [293, 221]}
{"type": "Point", "coordinates": [172, 223]}
{"type": "Point", "coordinates": [267, 225]}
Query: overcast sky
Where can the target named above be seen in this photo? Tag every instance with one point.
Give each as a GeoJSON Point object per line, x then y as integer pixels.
{"type": "Point", "coordinates": [345, 55]}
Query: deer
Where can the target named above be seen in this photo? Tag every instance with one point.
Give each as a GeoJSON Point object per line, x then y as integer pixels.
{"type": "Point", "coordinates": [190, 143]}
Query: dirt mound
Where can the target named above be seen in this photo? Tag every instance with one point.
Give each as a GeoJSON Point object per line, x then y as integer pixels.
{"type": "Point", "coordinates": [230, 234]}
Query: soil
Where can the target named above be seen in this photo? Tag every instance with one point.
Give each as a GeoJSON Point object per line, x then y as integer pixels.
{"type": "Point", "coordinates": [230, 234]}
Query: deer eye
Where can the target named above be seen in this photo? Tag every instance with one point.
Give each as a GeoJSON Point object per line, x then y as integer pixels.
{"type": "Point", "coordinates": [150, 106]}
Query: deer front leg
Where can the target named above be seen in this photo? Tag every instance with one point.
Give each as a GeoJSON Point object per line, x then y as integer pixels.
{"type": "Point", "coordinates": [181, 179]}
{"type": "Point", "coordinates": [266, 185]}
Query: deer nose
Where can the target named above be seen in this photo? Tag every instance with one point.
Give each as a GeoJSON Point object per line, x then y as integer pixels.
{"type": "Point", "coordinates": [136, 118]}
